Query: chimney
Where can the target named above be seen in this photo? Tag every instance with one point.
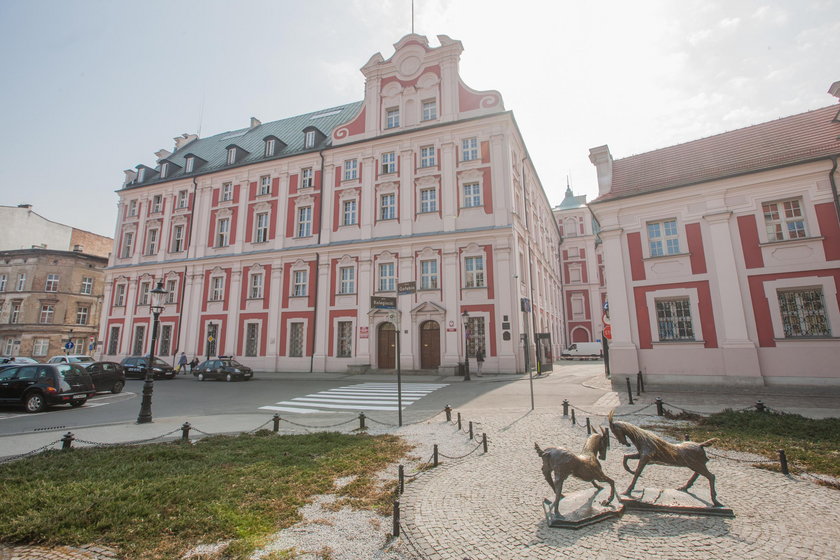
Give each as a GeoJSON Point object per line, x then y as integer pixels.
{"type": "Point", "coordinates": [183, 140]}
{"type": "Point", "coordinates": [834, 89]}
{"type": "Point", "coordinates": [27, 206]}
{"type": "Point", "coordinates": [255, 122]}
{"type": "Point", "coordinates": [163, 154]}
{"type": "Point", "coordinates": [603, 162]}
{"type": "Point", "coordinates": [130, 175]}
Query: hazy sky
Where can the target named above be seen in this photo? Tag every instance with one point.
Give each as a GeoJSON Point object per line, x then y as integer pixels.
{"type": "Point", "coordinates": [90, 88]}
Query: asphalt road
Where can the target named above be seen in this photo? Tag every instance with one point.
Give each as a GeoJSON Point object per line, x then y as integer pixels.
{"type": "Point", "coordinates": [423, 397]}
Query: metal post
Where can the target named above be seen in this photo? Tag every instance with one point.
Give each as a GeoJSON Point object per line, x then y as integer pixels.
{"type": "Point", "coordinates": [574, 422]}
{"type": "Point", "coordinates": [588, 427]}
{"type": "Point", "coordinates": [659, 410]}
{"type": "Point", "coordinates": [145, 415]}
{"type": "Point", "coordinates": [465, 317]}
{"type": "Point", "coordinates": [185, 431]}
{"type": "Point", "coordinates": [276, 419]}
{"type": "Point", "coordinates": [471, 431]}
{"type": "Point", "coordinates": [629, 390]}
{"type": "Point", "coordinates": [402, 479]}
{"type": "Point", "coordinates": [396, 530]}
{"type": "Point", "coordinates": [448, 410]}
{"type": "Point", "coordinates": [783, 462]}
{"type": "Point", "coordinates": [362, 421]}
{"type": "Point", "coordinates": [759, 406]}
{"type": "Point", "coordinates": [67, 441]}
{"type": "Point", "coordinates": [399, 378]}
{"type": "Point", "coordinates": [639, 384]}
{"type": "Point", "coordinates": [484, 441]}
{"type": "Point", "coordinates": [565, 407]}
{"type": "Point", "coordinates": [459, 420]}
{"type": "Point", "coordinates": [435, 456]}
{"type": "Point", "coordinates": [642, 381]}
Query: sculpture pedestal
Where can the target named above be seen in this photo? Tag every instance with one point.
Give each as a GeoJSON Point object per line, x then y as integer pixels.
{"type": "Point", "coordinates": [582, 508]}
{"type": "Point", "coordinates": [672, 501]}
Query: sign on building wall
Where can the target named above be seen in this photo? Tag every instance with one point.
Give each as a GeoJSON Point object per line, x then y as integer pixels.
{"type": "Point", "coordinates": [404, 288]}
{"type": "Point", "coordinates": [363, 332]}
{"type": "Point", "coordinates": [383, 302]}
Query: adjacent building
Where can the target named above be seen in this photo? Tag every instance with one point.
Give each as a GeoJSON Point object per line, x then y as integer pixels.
{"type": "Point", "coordinates": [723, 256]}
{"type": "Point", "coordinates": [51, 285]}
{"type": "Point", "coordinates": [409, 228]}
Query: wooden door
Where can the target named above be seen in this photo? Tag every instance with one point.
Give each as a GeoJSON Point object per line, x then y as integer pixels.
{"type": "Point", "coordinates": [429, 345]}
{"type": "Point", "coordinates": [386, 344]}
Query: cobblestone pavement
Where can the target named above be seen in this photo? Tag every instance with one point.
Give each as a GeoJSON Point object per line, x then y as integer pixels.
{"type": "Point", "coordinates": [490, 506]}
{"type": "Point", "coordinates": [57, 553]}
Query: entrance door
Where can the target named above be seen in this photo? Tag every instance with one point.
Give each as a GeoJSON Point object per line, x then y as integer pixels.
{"type": "Point", "coordinates": [429, 345]}
{"type": "Point", "coordinates": [386, 346]}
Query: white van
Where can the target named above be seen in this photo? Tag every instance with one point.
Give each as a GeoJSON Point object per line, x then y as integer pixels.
{"type": "Point", "coordinates": [583, 351]}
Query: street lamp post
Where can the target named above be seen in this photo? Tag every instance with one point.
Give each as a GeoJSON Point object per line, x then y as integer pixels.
{"type": "Point", "coordinates": [396, 319]}
{"type": "Point", "coordinates": [158, 297]}
{"type": "Point", "coordinates": [465, 318]}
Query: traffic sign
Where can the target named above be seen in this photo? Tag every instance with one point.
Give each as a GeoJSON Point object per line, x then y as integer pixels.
{"type": "Point", "coordinates": [608, 332]}
{"type": "Point", "coordinates": [69, 345]}
{"type": "Point", "coordinates": [210, 339]}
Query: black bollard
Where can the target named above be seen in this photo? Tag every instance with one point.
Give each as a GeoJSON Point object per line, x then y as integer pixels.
{"type": "Point", "coordinates": [448, 410]}
{"type": "Point", "coordinates": [574, 422]}
{"type": "Point", "coordinates": [588, 427]}
{"type": "Point", "coordinates": [276, 419]}
{"type": "Point", "coordinates": [402, 479]}
{"type": "Point", "coordinates": [759, 406]}
{"type": "Point", "coordinates": [459, 420]}
{"type": "Point", "coordinates": [185, 431]}
{"type": "Point", "coordinates": [783, 462]}
{"type": "Point", "coordinates": [484, 441]}
{"type": "Point", "coordinates": [362, 421]}
{"type": "Point", "coordinates": [659, 409]}
{"type": "Point", "coordinates": [471, 432]}
{"type": "Point", "coordinates": [639, 384]}
{"type": "Point", "coordinates": [67, 441]}
{"type": "Point", "coordinates": [565, 407]}
{"type": "Point", "coordinates": [629, 390]}
{"type": "Point", "coordinates": [435, 456]}
{"type": "Point", "coordinates": [396, 530]}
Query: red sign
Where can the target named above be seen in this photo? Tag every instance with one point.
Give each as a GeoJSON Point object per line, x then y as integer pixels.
{"type": "Point", "coordinates": [363, 332]}
{"type": "Point", "coordinates": [608, 332]}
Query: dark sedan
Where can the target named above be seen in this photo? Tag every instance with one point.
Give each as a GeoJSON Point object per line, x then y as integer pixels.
{"type": "Point", "coordinates": [223, 368]}
{"type": "Point", "coordinates": [107, 376]}
{"type": "Point", "coordinates": [135, 366]}
{"type": "Point", "coordinates": [38, 386]}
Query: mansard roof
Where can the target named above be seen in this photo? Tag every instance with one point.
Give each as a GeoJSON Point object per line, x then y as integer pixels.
{"type": "Point", "coordinates": [789, 140]}
{"type": "Point", "coordinates": [288, 131]}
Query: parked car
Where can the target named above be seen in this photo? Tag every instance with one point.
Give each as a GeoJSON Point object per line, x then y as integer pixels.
{"type": "Point", "coordinates": [135, 367]}
{"type": "Point", "coordinates": [583, 351]}
{"type": "Point", "coordinates": [17, 360]}
{"type": "Point", "coordinates": [106, 376]}
{"type": "Point", "coordinates": [71, 359]}
{"type": "Point", "coordinates": [38, 386]}
{"type": "Point", "coordinates": [223, 367]}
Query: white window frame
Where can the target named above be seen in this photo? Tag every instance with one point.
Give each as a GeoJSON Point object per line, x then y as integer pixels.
{"type": "Point", "coordinates": [347, 280]}
{"type": "Point", "coordinates": [217, 288]}
{"type": "Point", "coordinates": [474, 271]}
{"type": "Point", "coordinates": [428, 200]}
{"type": "Point", "coordinates": [472, 194]}
{"type": "Point", "coordinates": [14, 312]}
{"type": "Point", "coordinates": [51, 284]}
{"type": "Point", "coordinates": [87, 285]}
{"type": "Point", "coordinates": [152, 240]}
{"type": "Point", "coordinates": [304, 222]}
{"type": "Point", "coordinates": [223, 232]}
{"type": "Point", "coordinates": [141, 174]}
{"type": "Point", "coordinates": [47, 314]}
{"type": "Point", "coordinates": [255, 285]}
{"type": "Point", "coordinates": [82, 315]}
{"type": "Point", "coordinates": [783, 223]}
{"type": "Point", "coordinates": [157, 204]}
{"type": "Point", "coordinates": [309, 139]}
{"type": "Point", "coordinates": [231, 156]}
{"type": "Point", "coordinates": [132, 208]}
{"type": "Point", "coordinates": [672, 294]}
{"type": "Point", "coordinates": [261, 226]}
{"type": "Point", "coordinates": [387, 274]}
{"type": "Point", "coordinates": [389, 163]}
{"type": "Point", "coordinates": [429, 275]}
{"type": "Point", "coordinates": [270, 145]}
{"type": "Point", "coordinates": [575, 274]}
{"type": "Point", "coordinates": [578, 305]}
{"type": "Point", "coordinates": [128, 244]}
{"type": "Point", "coordinates": [351, 169]}
{"type": "Point", "coordinates": [428, 157]}
{"type": "Point", "coordinates": [294, 351]}
{"type": "Point", "coordinates": [227, 191]}
{"type": "Point", "coordinates": [164, 167]}
{"type": "Point", "coordinates": [189, 164]}
{"type": "Point", "coordinates": [143, 290]}
{"type": "Point", "coordinates": [829, 292]}
{"type": "Point", "coordinates": [306, 178]}
{"type": "Point", "coordinates": [178, 238]}
{"type": "Point", "coordinates": [119, 295]}
{"type": "Point", "coordinates": [469, 149]}
{"type": "Point", "coordinates": [661, 241]}
{"type": "Point", "coordinates": [183, 198]}
{"type": "Point", "coordinates": [429, 109]}
{"type": "Point", "coordinates": [344, 340]}
{"type": "Point", "coordinates": [40, 346]}
{"type": "Point", "coordinates": [388, 206]}
{"type": "Point", "coordinates": [3, 280]}
{"type": "Point", "coordinates": [21, 282]}
{"type": "Point", "coordinates": [171, 290]}
{"type": "Point", "coordinates": [300, 283]}
{"type": "Point", "coordinates": [349, 213]}
{"type": "Point", "coordinates": [392, 117]}
{"type": "Point", "coordinates": [265, 185]}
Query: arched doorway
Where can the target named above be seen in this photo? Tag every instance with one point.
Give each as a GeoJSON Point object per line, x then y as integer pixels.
{"type": "Point", "coordinates": [386, 345]}
{"type": "Point", "coordinates": [580, 334]}
{"type": "Point", "coordinates": [429, 345]}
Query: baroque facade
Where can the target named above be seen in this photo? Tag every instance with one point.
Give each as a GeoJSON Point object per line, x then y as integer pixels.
{"type": "Point", "coordinates": [722, 256]}
{"type": "Point", "coordinates": [287, 243]}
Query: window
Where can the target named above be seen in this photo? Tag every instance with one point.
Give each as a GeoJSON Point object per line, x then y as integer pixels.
{"type": "Point", "coordinates": [164, 167]}
{"type": "Point", "coordinates": [301, 281]}
{"type": "Point", "coordinates": [256, 286]}
{"type": "Point", "coordinates": [227, 191]}
{"type": "Point", "coordinates": [389, 163]}
{"type": "Point", "coordinates": [21, 282]}
{"type": "Point", "coordinates": [429, 109]}
{"type": "Point", "coordinates": [803, 313]}
{"type": "Point", "coordinates": [171, 290]}
{"type": "Point", "coordinates": [132, 207]}
{"type": "Point", "coordinates": [223, 233]}
{"type": "Point", "coordinates": [475, 336]}
{"type": "Point", "coordinates": [388, 206]}
{"type": "Point", "coordinates": [428, 200]}
{"type": "Point", "coordinates": [784, 220]}
{"type": "Point", "coordinates": [474, 269]}
{"type": "Point", "coordinates": [157, 203]}
{"type": "Point", "coordinates": [387, 277]}
{"type": "Point", "coordinates": [348, 217]}
{"type": "Point", "coordinates": [392, 117]}
{"type": "Point", "coordinates": [3, 282]}
{"type": "Point", "coordinates": [231, 156]}
{"type": "Point", "coordinates": [183, 198]}
{"type": "Point", "coordinates": [574, 274]}
{"type": "Point", "coordinates": [304, 225]}
{"type": "Point", "coordinates": [128, 244]}
{"type": "Point", "coordinates": [270, 146]}
{"type": "Point", "coordinates": [87, 285]}
{"type": "Point", "coordinates": [165, 340]}
{"type": "Point", "coordinates": [178, 238]}
{"type": "Point", "coordinates": [217, 288]}
{"type": "Point", "coordinates": [40, 346]}
{"type": "Point", "coordinates": [309, 139]}
{"type": "Point", "coordinates": [151, 241]}
{"type": "Point", "coordinates": [265, 185]}
{"type": "Point", "coordinates": [144, 293]}
{"type": "Point", "coordinates": [189, 164]}
{"type": "Point", "coordinates": [469, 149]}
{"type": "Point", "coordinates": [427, 156]}
{"type": "Point", "coordinates": [345, 339]}
{"type": "Point", "coordinates": [82, 315]}
{"type": "Point", "coordinates": [14, 315]}
{"type": "Point", "coordinates": [663, 238]}
{"type": "Point", "coordinates": [306, 178]}
{"type": "Point", "coordinates": [261, 225]}
{"type": "Point", "coordinates": [348, 280]}
{"type": "Point", "coordinates": [673, 317]}
{"type": "Point", "coordinates": [47, 313]}
{"type": "Point", "coordinates": [119, 296]}
{"type": "Point", "coordinates": [139, 336]}
{"type": "Point", "coordinates": [9, 345]}
{"type": "Point", "coordinates": [113, 340]}
{"type": "Point", "coordinates": [351, 169]}
{"type": "Point", "coordinates": [52, 283]}
{"type": "Point", "coordinates": [141, 174]}
{"type": "Point", "coordinates": [295, 340]}
{"type": "Point", "coordinates": [428, 275]}
{"type": "Point", "coordinates": [472, 195]}
{"type": "Point", "coordinates": [252, 337]}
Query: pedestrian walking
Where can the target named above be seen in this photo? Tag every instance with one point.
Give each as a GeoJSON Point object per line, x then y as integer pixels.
{"type": "Point", "coordinates": [193, 364]}
{"type": "Point", "coordinates": [182, 363]}
{"type": "Point", "coordinates": [479, 360]}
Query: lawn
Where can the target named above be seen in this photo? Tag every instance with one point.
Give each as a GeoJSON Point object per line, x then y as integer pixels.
{"type": "Point", "coordinates": [158, 501]}
{"type": "Point", "coordinates": [811, 445]}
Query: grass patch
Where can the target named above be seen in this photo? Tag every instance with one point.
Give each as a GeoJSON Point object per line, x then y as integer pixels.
{"type": "Point", "coordinates": [814, 445]}
{"type": "Point", "coordinates": [158, 501]}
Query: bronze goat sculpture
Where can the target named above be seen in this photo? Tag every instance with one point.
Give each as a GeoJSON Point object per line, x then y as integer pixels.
{"type": "Point", "coordinates": [652, 449]}
{"type": "Point", "coordinates": [586, 466]}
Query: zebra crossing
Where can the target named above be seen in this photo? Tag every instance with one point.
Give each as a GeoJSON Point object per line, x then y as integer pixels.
{"type": "Point", "coordinates": [364, 396]}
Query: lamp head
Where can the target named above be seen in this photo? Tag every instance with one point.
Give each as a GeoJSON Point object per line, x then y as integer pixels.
{"type": "Point", "coordinates": [158, 298]}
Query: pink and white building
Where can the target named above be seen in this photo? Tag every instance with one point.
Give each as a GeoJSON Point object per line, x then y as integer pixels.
{"type": "Point", "coordinates": [723, 256]}
{"type": "Point", "coordinates": [282, 241]}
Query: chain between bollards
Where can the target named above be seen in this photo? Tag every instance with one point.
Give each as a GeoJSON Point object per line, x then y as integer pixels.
{"type": "Point", "coordinates": [67, 441]}
{"type": "Point", "coordinates": [629, 391]}
{"type": "Point", "coordinates": [783, 462]}
{"type": "Point", "coordinates": [396, 528]}
{"type": "Point", "coordinates": [185, 431]}
{"type": "Point", "coordinates": [276, 419]}
{"type": "Point", "coordinates": [448, 410]}
{"type": "Point", "coordinates": [362, 421]}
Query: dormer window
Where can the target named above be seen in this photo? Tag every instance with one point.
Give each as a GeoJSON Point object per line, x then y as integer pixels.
{"type": "Point", "coordinates": [392, 117]}
{"type": "Point", "coordinates": [231, 156]}
{"type": "Point", "coordinates": [309, 139]}
{"type": "Point", "coordinates": [270, 146]}
{"type": "Point", "coordinates": [141, 174]}
{"type": "Point", "coordinates": [164, 168]}
{"type": "Point", "coordinates": [189, 165]}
